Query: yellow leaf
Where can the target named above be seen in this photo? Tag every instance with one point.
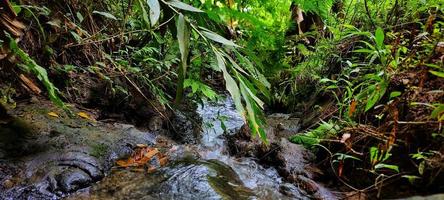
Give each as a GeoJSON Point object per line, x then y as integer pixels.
{"type": "Point", "coordinates": [85, 116]}
{"type": "Point", "coordinates": [53, 114]}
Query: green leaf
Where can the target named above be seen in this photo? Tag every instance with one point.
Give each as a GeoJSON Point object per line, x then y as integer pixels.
{"type": "Point", "coordinates": [80, 17]}
{"type": "Point", "coordinates": [379, 38]}
{"type": "Point", "coordinates": [217, 38]}
{"type": "Point", "coordinates": [144, 14]}
{"type": "Point", "coordinates": [386, 166]}
{"type": "Point", "coordinates": [183, 6]}
{"type": "Point", "coordinates": [38, 71]}
{"type": "Point", "coordinates": [154, 11]}
{"type": "Point", "coordinates": [76, 36]}
{"type": "Point", "coordinates": [436, 73]}
{"type": "Point", "coordinates": [376, 95]}
{"type": "Point", "coordinates": [411, 178]}
{"type": "Point", "coordinates": [230, 84]}
{"type": "Point", "coordinates": [183, 37]}
{"type": "Point", "coordinates": [438, 111]}
{"type": "Point", "coordinates": [253, 122]}
{"type": "Point", "coordinates": [395, 94]}
{"type": "Point", "coordinates": [105, 14]}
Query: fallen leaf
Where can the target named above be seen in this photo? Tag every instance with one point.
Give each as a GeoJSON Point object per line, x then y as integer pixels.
{"type": "Point", "coordinates": [53, 114]}
{"type": "Point", "coordinates": [140, 157]}
{"type": "Point", "coordinates": [85, 116]}
{"type": "Point", "coordinates": [352, 108]}
{"type": "Point", "coordinates": [30, 84]}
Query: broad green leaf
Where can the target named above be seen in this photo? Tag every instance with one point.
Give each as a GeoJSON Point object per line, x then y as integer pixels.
{"type": "Point", "coordinates": [183, 6]}
{"type": "Point", "coordinates": [105, 14]}
{"type": "Point", "coordinates": [436, 73]}
{"type": "Point", "coordinates": [379, 38]}
{"type": "Point", "coordinates": [376, 95]}
{"type": "Point", "coordinates": [154, 11]}
{"type": "Point", "coordinates": [217, 38]}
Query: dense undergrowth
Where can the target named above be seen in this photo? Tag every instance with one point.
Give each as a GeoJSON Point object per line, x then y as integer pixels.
{"type": "Point", "coordinates": [367, 75]}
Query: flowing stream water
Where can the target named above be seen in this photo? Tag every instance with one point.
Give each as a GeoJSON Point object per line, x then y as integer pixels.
{"type": "Point", "coordinates": [65, 158]}
{"type": "Point", "coordinates": [200, 171]}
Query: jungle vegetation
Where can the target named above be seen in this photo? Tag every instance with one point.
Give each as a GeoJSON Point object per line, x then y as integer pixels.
{"type": "Point", "coordinates": [367, 76]}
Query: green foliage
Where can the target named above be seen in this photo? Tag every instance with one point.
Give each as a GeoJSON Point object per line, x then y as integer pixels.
{"type": "Point", "coordinates": [320, 7]}
{"type": "Point", "coordinates": [38, 71]}
{"type": "Point", "coordinates": [315, 136]}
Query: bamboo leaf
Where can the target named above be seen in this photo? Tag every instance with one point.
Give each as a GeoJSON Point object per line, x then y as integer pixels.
{"type": "Point", "coordinates": [183, 37]}
{"type": "Point", "coordinates": [183, 6]}
{"type": "Point", "coordinates": [231, 84]}
{"type": "Point", "coordinates": [217, 38]}
{"type": "Point", "coordinates": [436, 73]}
{"type": "Point", "coordinates": [154, 11]}
{"type": "Point", "coordinates": [105, 14]}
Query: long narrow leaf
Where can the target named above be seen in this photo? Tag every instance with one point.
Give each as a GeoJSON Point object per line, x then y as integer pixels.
{"type": "Point", "coordinates": [154, 11]}
{"type": "Point", "coordinates": [231, 84]}
{"type": "Point", "coordinates": [183, 6]}
{"type": "Point", "coordinates": [217, 38]}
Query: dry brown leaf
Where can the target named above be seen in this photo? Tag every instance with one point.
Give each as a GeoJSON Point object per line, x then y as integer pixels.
{"type": "Point", "coordinates": [29, 84]}
{"type": "Point", "coordinates": [352, 108]}
{"type": "Point", "coordinates": [141, 157]}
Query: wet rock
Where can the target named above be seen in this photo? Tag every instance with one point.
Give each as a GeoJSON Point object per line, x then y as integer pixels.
{"type": "Point", "coordinates": [293, 162]}
{"type": "Point", "coordinates": [73, 179]}
{"type": "Point", "coordinates": [294, 159]}
{"type": "Point", "coordinates": [71, 154]}
{"type": "Point", "coordinates": [291, 191]}
{"type": "Point", "coordinates": [203, 180]}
